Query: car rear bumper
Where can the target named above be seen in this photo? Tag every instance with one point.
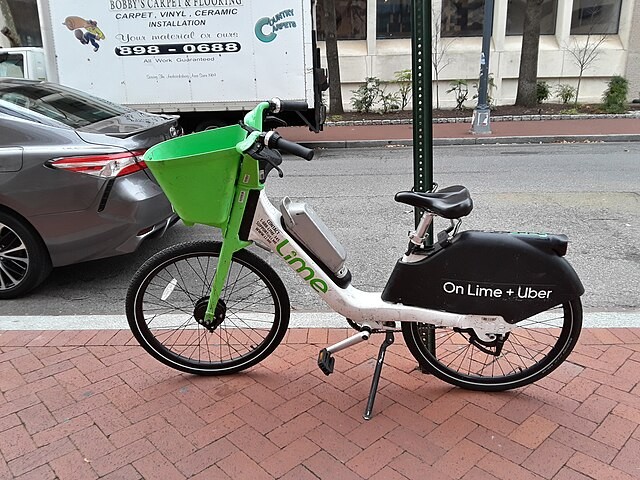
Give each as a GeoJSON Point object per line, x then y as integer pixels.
{"type": "Point", "coordinates": [133, 209]}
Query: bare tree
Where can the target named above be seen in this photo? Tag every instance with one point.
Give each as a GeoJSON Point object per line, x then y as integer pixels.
{"type": "Point", "coordinates": [584, 54]}
{"type": "Point", "coordinates": [333, 63]}
{"type": "Point", "coordinates": [439, 50]}
{"type": "Point", "coordinates": [528, 74]}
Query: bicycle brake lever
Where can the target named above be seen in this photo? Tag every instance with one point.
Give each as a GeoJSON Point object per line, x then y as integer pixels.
{"type": "Point", "coordinates": [247, 127]}
{"type": "Point", "coordinates": [262, 154]}
{"type": "Point", "coordinates": [280, 172]}
{"type": "Point", "coordinates": [268, 160]}
{"type": "Point", "coordinates": [278, 122]}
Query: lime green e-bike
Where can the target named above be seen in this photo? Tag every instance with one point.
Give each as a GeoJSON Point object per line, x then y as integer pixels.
{"type": "Point", "coordinates": [481, 310]}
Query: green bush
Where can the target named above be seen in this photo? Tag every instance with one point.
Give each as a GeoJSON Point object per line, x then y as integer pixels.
{"type": "Point", "coordinates": [405, 83]}
{"type": "Point", "coordinates": [615, 96]}
{"type": "Point", "coordinates": [542, 91]}
{"type": "Point", "coordinates": [365, 97]}
{"type": "Point", "coordinates": [565, 92]}
{"type": "Point", "coordinates": [389, 101]}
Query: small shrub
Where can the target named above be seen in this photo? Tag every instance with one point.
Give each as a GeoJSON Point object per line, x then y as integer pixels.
{"type": "Point", "coordinates": [542, 91]}
{"type": "Point", "coordinates": [460, 89]}
{"type": "Point", "coordinates": [615, 96]}
{"type": "Point", "coordinates": [570, 111]}
{"type": "Point", "coordinates": [405, 84]}
{"type": "Point", "coordinates": [389, 101]}
{"type": "Point", "coordinates": [565, 92]}
{"type": "Point", "coordinates": [365, 97]}
{"type": "Point", "coordinates": [491, 84]}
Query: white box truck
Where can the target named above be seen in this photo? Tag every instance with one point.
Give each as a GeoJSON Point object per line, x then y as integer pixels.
{"type": "Point", "coordinates": [207, 61]}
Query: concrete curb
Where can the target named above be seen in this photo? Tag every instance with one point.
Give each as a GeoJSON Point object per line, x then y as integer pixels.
{"type": "Point", "coordinates": [622, 138]}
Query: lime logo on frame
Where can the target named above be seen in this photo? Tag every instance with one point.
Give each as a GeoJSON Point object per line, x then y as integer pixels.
{"type": "Point", "coordinates": [267, 27]}
{"type": "Point", "coordinates": [300, 266]}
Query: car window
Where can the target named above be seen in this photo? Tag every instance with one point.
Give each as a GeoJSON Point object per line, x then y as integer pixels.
{"type": "Point", "coordinates": [66, 106]}
{"type": "Point", "coordinates": [11, 65]}
{"type": "Point", "coordinates": [16, 111]}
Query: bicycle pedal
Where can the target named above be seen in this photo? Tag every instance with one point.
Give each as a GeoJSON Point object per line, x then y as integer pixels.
{"type": "Point", "coordinates": [326, 361]}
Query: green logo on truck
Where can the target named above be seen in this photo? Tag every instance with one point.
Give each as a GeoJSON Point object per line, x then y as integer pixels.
{"type": "Point", "coordinates": [267, 27]}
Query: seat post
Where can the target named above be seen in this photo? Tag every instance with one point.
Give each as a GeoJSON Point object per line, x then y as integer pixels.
{"type": "Point", "coordinates": [416, 239]}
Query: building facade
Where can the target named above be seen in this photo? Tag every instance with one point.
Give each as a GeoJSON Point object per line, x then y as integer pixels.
{"type": "Point", "coordinates": [375, 41]}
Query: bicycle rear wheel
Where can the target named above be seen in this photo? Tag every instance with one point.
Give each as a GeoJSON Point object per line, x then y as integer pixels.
{"type": "Point", "coordinates": [536, 347]}
{"type": "Point", "coordinates": [168, 297]}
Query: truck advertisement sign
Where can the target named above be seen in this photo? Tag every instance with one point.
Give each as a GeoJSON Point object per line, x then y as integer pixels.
{"type": "Point", "coordinates": [145, 52]}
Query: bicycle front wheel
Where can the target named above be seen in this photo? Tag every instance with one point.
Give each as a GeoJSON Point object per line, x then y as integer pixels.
{"type": "Point", "coordinates": [168, 297]}
{"type": "Point", "coordinates": [532, 350]}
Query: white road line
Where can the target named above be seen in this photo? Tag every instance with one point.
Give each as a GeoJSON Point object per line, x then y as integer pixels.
{"type": "Point", "coordinates": [298, 320]}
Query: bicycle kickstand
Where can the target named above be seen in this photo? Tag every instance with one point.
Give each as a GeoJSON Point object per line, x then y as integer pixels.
{"type": "Point", "coordinates": [389, 339]}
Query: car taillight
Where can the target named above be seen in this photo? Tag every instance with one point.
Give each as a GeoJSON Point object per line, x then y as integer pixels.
{"type": "Point", "coordinates": [106, 165]}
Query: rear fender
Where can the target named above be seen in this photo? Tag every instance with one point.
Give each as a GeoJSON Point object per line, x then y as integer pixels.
{"type": "Point", "coordinates": [513, 275]}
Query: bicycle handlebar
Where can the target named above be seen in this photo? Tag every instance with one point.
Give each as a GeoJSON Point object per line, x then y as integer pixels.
{"type": "Point", "coordinates": [278, 105]}
{"type": "Point", "coordinates": [253, 121]}
{"type": "Point", "coordinates": [275, 140]}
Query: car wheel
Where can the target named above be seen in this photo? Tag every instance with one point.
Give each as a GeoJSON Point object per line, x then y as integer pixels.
{"type": "Point", "coordinates": [24, 260]}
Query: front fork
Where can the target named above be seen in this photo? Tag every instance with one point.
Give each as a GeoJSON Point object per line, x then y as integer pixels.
{"type": "Point", "coordinates": [248, 180]}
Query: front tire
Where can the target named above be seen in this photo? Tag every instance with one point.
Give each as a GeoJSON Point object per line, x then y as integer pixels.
{"type": "Point", "coordinates": [168, 296]}
{"type": "Point", "coordinates": [536, 347]}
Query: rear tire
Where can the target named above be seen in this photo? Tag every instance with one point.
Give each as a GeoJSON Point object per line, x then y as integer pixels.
{"type": "Point", "coordinates": [24, 260]}
{"type": "Point", "coordinates": [168, 296]}
{"type": "Point", "coordinates": [536, 347]}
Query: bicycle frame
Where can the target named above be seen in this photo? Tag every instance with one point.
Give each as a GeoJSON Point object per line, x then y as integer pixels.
{"type": "Point", "coordinates": [365, 308]}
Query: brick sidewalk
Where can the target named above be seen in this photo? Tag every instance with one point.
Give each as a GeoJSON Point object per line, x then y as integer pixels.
{"type": "Point", "coordinates": [92, 404]}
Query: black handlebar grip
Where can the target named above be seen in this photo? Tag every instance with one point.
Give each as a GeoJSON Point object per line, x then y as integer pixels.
{"type": "Point", "coordinates": [293, 105]}
{"type": "Point", "coordinates": [278, 105]}
{"type": "Point", "coordinates": [275, 140]}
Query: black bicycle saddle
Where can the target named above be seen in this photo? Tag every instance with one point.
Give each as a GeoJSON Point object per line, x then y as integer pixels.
{"type": "Point", "coordinates": [451, 202]}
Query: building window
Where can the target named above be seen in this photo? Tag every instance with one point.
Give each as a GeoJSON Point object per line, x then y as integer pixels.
{"type": "Point", "coordinates": [599, 17]}
{"type": "Point", "coordinates": [515, 17]}
{"type": "Point", "coordinates": [24, 16]}
{"type": "Point", "coordinates": [462, 18]}
{"type": "Point", "coordinates": [394, 19]}
{"type": "Point", "coordinates": [351, 19]}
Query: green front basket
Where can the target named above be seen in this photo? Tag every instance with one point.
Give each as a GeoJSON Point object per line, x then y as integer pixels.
{"type": "Point", "coordinates": [198, 173]}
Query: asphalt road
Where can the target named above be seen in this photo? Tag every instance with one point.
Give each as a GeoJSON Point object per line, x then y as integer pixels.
{"type": "Point", "coordinates": [591, 192]}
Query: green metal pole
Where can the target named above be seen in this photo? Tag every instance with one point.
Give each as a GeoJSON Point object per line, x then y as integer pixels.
{"type": "Point", "coordinates": [422, 115]}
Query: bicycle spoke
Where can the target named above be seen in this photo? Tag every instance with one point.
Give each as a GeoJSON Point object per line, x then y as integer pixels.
{"type": "Point", "coordinates": [531, 343]}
